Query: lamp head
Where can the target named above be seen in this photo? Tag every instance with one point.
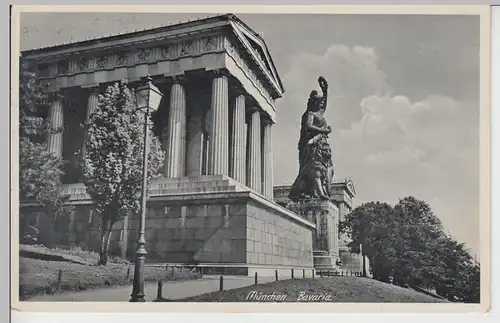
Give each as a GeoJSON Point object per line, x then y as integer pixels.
{"type": "Point", "coordinates": [148, 96]}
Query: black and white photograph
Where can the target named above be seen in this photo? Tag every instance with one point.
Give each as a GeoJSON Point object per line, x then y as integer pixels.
{"type": "Point", "coordinates": [237, 156]}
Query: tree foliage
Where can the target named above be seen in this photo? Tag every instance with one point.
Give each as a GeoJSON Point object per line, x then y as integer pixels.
{"type": "Point", "coordinates": [113, 159]}
{"type": "Point", "coordinates": [372, 225]}
{"type": "Point", "coordinates": [408, 244]}
{"type": "Point", "coordinates": [39, 170]}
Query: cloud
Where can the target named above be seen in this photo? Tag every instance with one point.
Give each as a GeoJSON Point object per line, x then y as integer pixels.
{"type": "Point", "coordinates": [429, 128]}
{"type": "Point", "coordinates": [389, 145]}
{"type": "Point", "coordinates": [351, 73]}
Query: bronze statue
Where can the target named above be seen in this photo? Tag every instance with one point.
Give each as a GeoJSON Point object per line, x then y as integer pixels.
{"type": "Point", "coordinates": [315, 158]}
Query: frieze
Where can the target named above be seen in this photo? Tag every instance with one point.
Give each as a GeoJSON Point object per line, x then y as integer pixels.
{"type": "Point", "coordinates": [82, 64]}
{"type": "Point", "coordinates": [171, 51]}
{"type": "Point", "coordinates": [144, 55]}
{"type": "Point", "coordinates": [102, 61]}
{"type": "Point", "coordinates": [166, 52]}
{"type": "Point", "coordinates": [186, 48]}
{"type": "Point", "coordinates": [62, 67]}
{"type": "Point", "coordinates": [210, 43]}
{"type": "Point", "coordinates": [43, 70]}
{"type": "Point", "coordinates": [121, 59]}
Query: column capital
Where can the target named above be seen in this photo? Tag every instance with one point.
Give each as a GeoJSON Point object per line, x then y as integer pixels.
{"type": "Point", "coordinates": [221, 72]}
{"type": "Point", "coordinates": [56, 95]}
{"type": "Point", "coordinates": [178, 79]}
{"type": "Point", "coordinates": [266, 121]}
{"type": "Point", "coordinates": [93, 90]}
{"type": "Point", "coordinates": [90, 86]}
{"type": "Point", "coordinates": [253, 108]}
{"type": "Point", "coordinates": [236, 91]}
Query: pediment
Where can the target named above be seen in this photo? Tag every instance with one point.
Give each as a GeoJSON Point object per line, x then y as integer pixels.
{"type": "Point", "coordinates": [350, 186]}
{"type": "Point", "coordinates": [258, 49]}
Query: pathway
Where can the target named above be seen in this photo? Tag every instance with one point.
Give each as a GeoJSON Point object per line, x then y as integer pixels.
{"type": "Point", "coordinates": [171, 290]}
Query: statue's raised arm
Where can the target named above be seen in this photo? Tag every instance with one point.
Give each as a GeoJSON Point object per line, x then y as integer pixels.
{"type": "Point", "coordinates": [323, 84]}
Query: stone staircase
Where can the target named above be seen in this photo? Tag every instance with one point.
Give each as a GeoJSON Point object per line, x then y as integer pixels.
{"type": "Point", "coordinates": [172, 186]}
{"type": "Point", "coordinates": [198, 184]}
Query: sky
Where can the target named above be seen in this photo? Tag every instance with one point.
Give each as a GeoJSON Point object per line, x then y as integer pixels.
{"type": "Point", "coordinates": [403, 98]}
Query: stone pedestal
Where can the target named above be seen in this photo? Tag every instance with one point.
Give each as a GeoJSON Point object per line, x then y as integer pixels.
{"type": "Point", "coordinates": [325, 215]}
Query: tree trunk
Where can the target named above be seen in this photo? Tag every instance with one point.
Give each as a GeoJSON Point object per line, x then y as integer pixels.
{"type": "Point", "coordinates": [105, 239]}
{"type": "Point", "coordinates": [102, 255]}
{"type": "Point", "coordinates": [108, 240]}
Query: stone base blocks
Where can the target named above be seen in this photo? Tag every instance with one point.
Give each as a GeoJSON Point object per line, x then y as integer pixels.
{"type": "Point", "coordinates": [325, 215]}
{"type": "Point", "coordinates": [207, 220]}
{"type": "Point", "coordinates": [214, 219]}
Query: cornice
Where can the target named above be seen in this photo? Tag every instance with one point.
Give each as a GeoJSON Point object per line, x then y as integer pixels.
{"type": "Point", "coordinates": [242, 32]}
{"type": "Point", "coordinates": [257, 60]}
{"type": "Point", "coordinates": [122, 45]}
{"type": "Point", "coordinates": [170, 31]}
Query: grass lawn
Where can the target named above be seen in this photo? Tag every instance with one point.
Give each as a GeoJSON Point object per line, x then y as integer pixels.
{"type": "Point", "coordinates": [38, 277]}
{"type": "Point", "coordinates": [340, 289]}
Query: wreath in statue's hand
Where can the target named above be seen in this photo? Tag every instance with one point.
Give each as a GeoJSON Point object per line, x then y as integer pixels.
{"type": "Point", "coordinates": [323, 84]}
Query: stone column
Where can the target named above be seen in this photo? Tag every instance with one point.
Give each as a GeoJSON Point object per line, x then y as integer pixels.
{"type": "Point", "coordinates": [91, 105]}
{"type": "Point", "coordinates": [239, 141]}
{"type": "Point", "coordinates": [56, 119]}
{"type": "Point", "coordinates": [175, 156]}
{"type": "Point", "coordinates": [195, 133]}
{"type": "Point", "coordinates": [218, 159]}
{"type": "Point", "coordinates": [254, 179]}
{"type": "Point", "coordinates": [92, 102]}
{"type": "Point", "coordinates": [267, 159]}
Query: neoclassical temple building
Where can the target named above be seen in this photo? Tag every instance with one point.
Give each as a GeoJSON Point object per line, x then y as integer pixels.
{"type": "Point", "coordinates": [215, 204]}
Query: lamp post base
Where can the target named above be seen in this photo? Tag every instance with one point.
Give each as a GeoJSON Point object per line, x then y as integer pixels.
{"type": "Point", "coordinates": [137, 299]}
{"type": "Point", "coordinates": [138, 288]}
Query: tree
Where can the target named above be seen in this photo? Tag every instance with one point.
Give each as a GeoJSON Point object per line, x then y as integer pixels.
{"type": "Point", "coordinates": [420, 230]}
{"type": "Point", "coordinates": [408, 243]}
{"type": "Point", "coordinates": [113, 159]}
{"type": "Point", "coordinates": [373, 226]}
{"type": "Point", "coordinates": [459, 280]}
{"type": "Point", "coordinates": [39, 170]}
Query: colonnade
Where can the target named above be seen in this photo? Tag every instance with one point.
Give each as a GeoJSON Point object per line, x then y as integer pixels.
{"type": "Point", "coordinates": [242, 151]}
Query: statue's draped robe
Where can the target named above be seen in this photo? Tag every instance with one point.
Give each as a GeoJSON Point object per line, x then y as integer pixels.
{"type": "Point", "coordinates": [307, 160]}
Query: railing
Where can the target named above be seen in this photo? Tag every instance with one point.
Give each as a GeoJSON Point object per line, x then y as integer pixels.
{"type": "Point", "coordinates": [344, 273]}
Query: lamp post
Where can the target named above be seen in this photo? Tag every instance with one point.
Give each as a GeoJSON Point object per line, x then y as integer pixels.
{"type": "Point", "coordinates": [148, 99]}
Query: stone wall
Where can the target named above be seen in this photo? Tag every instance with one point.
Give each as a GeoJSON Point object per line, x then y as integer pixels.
{"type": "Point", "coordinates": [275, 240]}
{"type": "Point", "coordinates": [240, 228]}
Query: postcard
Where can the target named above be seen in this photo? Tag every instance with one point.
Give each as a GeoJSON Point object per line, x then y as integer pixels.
{"type": "Point", "coordinates": [250, 158]}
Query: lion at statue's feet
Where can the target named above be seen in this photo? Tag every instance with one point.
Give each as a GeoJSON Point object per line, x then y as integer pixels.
{"type": "Point", "coordinates": [315, 178]}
